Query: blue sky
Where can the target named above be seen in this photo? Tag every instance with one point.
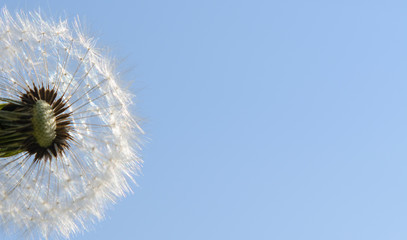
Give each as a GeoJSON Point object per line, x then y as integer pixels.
{"type": "Point", "coordinates": [279, 120]}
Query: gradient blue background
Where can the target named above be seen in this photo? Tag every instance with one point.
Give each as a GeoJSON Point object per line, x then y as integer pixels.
{"type": "Point", "coordinates": [277, 120]}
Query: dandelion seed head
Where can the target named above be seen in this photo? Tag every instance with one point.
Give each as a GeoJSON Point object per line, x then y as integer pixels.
{"type": "Point", "coordinates": [67, 139]}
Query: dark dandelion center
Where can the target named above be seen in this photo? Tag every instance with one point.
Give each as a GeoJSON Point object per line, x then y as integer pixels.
{"type": "Point", "coordinates": [19, 124]}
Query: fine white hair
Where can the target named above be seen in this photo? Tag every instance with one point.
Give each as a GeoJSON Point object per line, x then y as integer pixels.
{"type": "Point", "coordinates": [62, 196]}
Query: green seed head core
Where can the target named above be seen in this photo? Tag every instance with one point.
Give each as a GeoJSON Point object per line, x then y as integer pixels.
{"type": "Point", "coordinates": [44, 123]}
{"type": "Point", "coordinates": [36, 122]}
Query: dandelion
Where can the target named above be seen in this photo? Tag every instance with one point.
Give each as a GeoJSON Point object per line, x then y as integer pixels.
{"type": "Point", "coordinates": [67, 137]}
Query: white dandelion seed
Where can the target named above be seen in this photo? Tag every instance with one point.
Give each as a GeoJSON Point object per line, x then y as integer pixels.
{"type": "Point", "coordinates": [67, 137]}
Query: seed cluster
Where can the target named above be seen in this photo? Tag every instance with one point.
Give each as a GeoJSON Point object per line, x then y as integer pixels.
{"type": "Point", "coordinates": [38, 123]}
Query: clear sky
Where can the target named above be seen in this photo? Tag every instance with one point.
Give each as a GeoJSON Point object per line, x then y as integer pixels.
{"type": "Point", "coordinates": [274, 120]}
